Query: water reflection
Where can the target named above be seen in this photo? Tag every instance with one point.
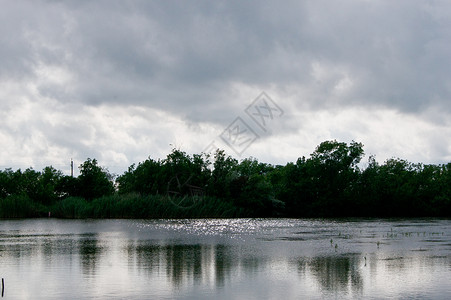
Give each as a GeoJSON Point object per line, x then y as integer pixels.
{"type": "Point", "coordinates": [287, 262]}
{"type": "Point", "coordinates": [199, 264]}
{"type": "Point", "coordinates": [184, 264]}
{"type": "Point", "coordinates": [334, 273]}
{"type": "Point", "coordinates": [90, 253]}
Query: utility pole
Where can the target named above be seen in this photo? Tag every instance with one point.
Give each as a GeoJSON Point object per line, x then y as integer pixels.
{"type": "Point", "coordinates": [71, 168]}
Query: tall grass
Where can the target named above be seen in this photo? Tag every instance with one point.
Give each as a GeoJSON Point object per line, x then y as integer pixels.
{"type": "Point", "coordinates": [145, 207]}
{"type": "Point", "coordinates": [20, 206]}
{"type": "Point", "coordinates": [71, 208]}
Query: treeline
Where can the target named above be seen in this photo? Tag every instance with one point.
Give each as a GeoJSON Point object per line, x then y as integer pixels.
{"type": "Point", "coordinates": [327, 184]}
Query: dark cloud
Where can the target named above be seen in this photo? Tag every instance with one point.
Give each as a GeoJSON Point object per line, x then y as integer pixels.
{"type": "Point", "coordinates": [143, 52]}
{"type": "Point", "coordinates": [193, 59]}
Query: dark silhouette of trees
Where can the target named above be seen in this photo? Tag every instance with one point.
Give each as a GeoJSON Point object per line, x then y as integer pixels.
{"type": "Point", "coordinates": [143, 179]}
{"type": "Point", "coordinates": [329, 183]}
{"type": "Point", "coordinates": [94, 181]}
{"type": "Point", "coordinates": [222, 176]}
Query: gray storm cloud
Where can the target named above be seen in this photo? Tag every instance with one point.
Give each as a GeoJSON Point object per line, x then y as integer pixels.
{"type": "Point", "coordinates": [192, 60]}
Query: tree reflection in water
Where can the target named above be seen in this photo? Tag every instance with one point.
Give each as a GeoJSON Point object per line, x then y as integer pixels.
{"type": "Point", "coordinates": [201, 264]}
{"type": "Point", "coordinates": [184, 264]}
{"type": "Point", "coordinates": [90, 253]}
{"type": "Point", "coordinates": [334, 273]}
{"type": "Point", "coordinates": [111, 259]}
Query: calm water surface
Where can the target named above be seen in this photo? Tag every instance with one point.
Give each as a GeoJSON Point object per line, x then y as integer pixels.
{"type": "Point", "coordinates": [225, 259]}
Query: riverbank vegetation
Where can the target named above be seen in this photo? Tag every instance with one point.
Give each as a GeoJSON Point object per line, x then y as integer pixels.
{"type": "Point", "coordinates": [329, 183]}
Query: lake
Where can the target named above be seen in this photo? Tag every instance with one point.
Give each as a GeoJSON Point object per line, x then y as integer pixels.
{"type": "Point", "coordinates": [225, 259]}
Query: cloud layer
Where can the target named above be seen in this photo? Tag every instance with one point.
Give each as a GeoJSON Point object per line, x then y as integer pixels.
{"type": "Point", "coordinates": [122, 80]}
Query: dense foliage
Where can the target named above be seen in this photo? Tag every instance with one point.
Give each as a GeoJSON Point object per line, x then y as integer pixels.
{"type": "Point", "coordinates": [329, 183]}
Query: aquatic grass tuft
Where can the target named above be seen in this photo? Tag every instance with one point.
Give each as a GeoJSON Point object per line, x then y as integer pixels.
{"type": "Point", "coordinates": [20, 206]}
{"type": "Point", "coordinates": [134, 205]}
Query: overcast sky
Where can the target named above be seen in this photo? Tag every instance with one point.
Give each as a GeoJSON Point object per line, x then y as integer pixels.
{"type": "Point", "coordinates": [120, 81]}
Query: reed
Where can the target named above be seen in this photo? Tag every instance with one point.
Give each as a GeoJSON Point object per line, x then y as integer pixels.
{"type": "Point", "coordinates": [71, 208]}
{"type": "Point", "coordinates": [20, 206]}
{"type": "Point", "coordinates": [145, 207]}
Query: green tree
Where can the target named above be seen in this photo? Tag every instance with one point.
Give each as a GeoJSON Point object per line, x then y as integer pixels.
{"type": "Point", "coordinates": [30, 185]}
{"type": "Point", "coordinates": [6, 183]}
{"type": "Point", "coordinates": [67, 186]}
{"type": "Point", "coordinates": [295, 187]}
{"type": "Point", "coordinates": [251, 166]}
{"type": "Point", "coordinates": [143, 179]}
{"type": "Point", "coordinates": [224, 172]}
{"type": "Point", "coordinates": [442, 199]}
{"type": "Point", "coordinates": [48, 181]}
{"type": "Point", "coordinates": [258, 197]}
{"type": "Point", "coordinates": [180, 174]}
{"type": "Point", "coordinates": [367, 195]}
{"type": "Point", "coordinates": [94, 181]}
{"type": "Point", "coordinates": [333, 174]}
